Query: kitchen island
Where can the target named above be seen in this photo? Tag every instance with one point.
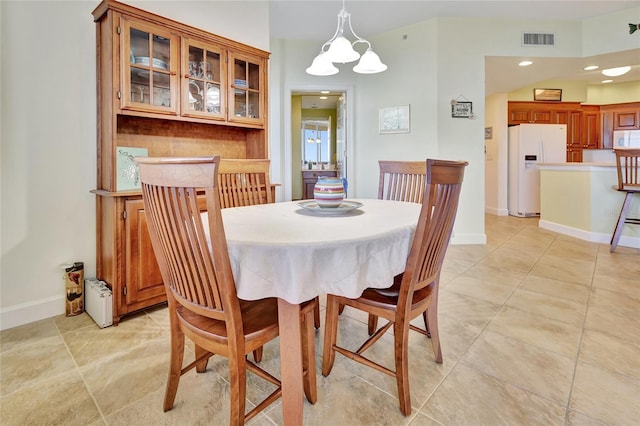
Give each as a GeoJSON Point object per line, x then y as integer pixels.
{"type": "Point", "coordinates": [577, 199]}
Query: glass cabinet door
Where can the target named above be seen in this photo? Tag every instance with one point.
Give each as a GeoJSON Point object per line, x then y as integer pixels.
{"type": "Point", "coordinates": [204, 80]}
{"type": "Point", "coordinates": [247, 89]}
{"type": "Point", "coordinates": [149, 56]}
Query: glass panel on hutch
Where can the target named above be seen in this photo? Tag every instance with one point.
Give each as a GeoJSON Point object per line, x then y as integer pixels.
{"type": "Point", "coordinates": [247, 89]}
{"type": "Point", "coordinates": [205, 77]}
{"type": "Point", "coordinates": [149, 79]}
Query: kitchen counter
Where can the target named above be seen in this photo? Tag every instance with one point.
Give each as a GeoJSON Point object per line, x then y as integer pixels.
{"type": "Point", "coordinates": [577, 199]}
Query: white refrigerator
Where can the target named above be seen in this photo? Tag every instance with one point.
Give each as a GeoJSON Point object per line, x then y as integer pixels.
{"type": "Point", "coordinates": [530, 144]}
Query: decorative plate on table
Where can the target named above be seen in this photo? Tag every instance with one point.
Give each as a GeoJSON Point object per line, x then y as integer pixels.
{"type": "Point", "coordinates": [345, 207]}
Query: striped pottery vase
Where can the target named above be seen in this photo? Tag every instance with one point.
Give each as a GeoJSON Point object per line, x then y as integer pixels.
{"type": "Point", "coordinates": [329, 191]}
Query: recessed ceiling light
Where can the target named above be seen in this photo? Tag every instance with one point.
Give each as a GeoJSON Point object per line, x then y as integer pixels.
{"type": "Point", "coordinates": [525, 63]}
{"type": "Point", "coordinates": [607, 81]}
{"type": "Point", "coordinates": [325, 92]}
{"type": "Point", "coordinates": [323, 97]}
{"type": "Point", "coordinates": [615, 72]}
{"type": "Point", "coordinates": [591, 68]}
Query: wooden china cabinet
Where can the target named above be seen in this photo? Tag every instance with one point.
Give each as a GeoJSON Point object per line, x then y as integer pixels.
{"type": "Point", "coordinates": [163, 89]}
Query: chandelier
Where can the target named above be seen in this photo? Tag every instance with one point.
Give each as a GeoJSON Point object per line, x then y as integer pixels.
{"type": "Point", "coordinates": [340, 50]}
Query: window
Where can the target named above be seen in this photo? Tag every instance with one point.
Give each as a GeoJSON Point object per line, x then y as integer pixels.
{"type": "Point", "coordinates": [316, 141]}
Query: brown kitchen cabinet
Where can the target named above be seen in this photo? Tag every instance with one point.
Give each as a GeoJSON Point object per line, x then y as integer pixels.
{"type": "Point", "coordinates": [624, 116]}
{"type": "Point", "coordinates": [588, 126]}
{"type": "Point", "coordinates": [309, 179]}
{"type": "Point", "coordinates": [528, 114]}
{"type": "Point", "coordinates": [626, 120]}
{"type": "Point", "coordinates": [573, 120]}
{"type": "Point", "coordinates": [607, 128]}
{"type": "Point", "coordinates": [591, 127]}
{"type": "Point", "coordinates": [584, 128]}
{"type": "Point", "coordinates": [164, 89]}
{"type": "Point", "coordinates": [520, 112]}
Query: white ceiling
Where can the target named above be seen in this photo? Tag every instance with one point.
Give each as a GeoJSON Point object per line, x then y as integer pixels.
{"type": "Point", "coordinates": [317, 20]}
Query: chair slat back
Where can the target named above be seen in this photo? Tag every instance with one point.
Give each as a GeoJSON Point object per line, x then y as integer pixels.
{"type": "Point", "coordinates": [402, 180]}
{"type": "Point", "coordinates": [244, 182]}
{"type": "Point", "coordinates": [628, 166]}
{"type": "Point", "coordinates": [195, 275]}
{"type": "Point", "coordinates": [435, 225]}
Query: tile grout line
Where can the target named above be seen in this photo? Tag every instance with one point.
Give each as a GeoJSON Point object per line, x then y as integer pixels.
{"type": "Point", "coordinates": [77, 368]}
{"type": "Point", "coordinates": [582, 330]}
{"type": "Point", "coordinates": [482, 331]}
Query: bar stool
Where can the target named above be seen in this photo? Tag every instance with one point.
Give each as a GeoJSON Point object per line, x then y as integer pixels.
{"type": "Point", "coordinates": [628, 165]}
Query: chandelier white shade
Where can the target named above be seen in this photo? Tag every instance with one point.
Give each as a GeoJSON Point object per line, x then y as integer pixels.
{"type": "Point", "coordinates": [338, 49]}
{"type": "Point", "coordinates": [322, 66]}
{"type": "Point", "coordinates": [369, 63]}
{"type": "Point", "coordinates": [341, 50]}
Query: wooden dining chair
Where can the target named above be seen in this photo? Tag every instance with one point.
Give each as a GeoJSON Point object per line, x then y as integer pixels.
{"type": "Point", "coordinates": [244, 182]}
{"type": "Point", "coordinates": [415, 291]}
{"type": "Point", "coordinates": [400, 181]}
{"type": "Point", "coordinates": [628, 167]}
{"type": "Point", "coordinates": [201, 292]}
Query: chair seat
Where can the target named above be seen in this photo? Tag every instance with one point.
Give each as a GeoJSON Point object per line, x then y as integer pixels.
{"type": "Point", "coordinates": [387, 299]}
{"type": "Point", "coordinates": [259, 317]}
{"type": "Point", "coordinates": [259, 321]}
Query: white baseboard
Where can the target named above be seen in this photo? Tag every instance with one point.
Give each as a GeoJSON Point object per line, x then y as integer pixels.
{"type": "Point", "coordinates": [596, 237]}
{"type": "Point", "coordinates": [36, 310]}
{"type": "Point", "coordinates": [496, 212]}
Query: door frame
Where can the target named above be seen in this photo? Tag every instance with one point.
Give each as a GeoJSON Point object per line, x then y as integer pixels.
{"type": "Point", "coordinates": [348, 90]}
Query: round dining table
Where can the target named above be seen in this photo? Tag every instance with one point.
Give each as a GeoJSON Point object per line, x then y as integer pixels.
{"type": "Point", "coordinates": [296, 251]}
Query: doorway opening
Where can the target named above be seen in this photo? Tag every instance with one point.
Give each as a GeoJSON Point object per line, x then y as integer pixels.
{"type": "Point", "coordinates": [327, 120]}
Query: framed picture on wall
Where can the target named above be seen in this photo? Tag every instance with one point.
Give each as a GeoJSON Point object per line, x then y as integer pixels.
{"type": "Point", "coordinates": [461, 109]}
{"type": "Point", "coordinates": [394, 119]}
{"type": "Point", "coordinates": [547, 94]}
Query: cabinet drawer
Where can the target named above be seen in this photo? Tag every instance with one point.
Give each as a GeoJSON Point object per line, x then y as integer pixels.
{"type": "Point", "coordinates": [625, 120]}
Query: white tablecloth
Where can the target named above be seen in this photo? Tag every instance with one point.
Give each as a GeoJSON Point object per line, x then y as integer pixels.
{"type": "Point", "coordinates": [281, 250]}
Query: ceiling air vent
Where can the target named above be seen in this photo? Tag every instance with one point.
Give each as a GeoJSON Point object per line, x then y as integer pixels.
{"type": "Point", "coordinates": [538, 39]}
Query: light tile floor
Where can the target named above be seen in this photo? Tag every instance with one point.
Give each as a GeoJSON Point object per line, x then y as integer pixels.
{"type": "Point", "coordinates": [537, 329]}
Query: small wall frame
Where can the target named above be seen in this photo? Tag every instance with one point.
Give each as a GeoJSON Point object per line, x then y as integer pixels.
{"type": "Point", "coordinates": [394, 119]}
{"type": "Point", "coordinates": [461, 109]}
{"type": "Point", "coordinates": [547, 94]}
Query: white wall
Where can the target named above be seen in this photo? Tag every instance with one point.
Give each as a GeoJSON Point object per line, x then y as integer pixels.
{"type": "Point", "coordinates": [614, 93]}
{"type": "Point", "coordinates": [496, 167]}
{"type": "Point", "coordinates": [411, 79]}
{"type": "Point", "coordinates": [48, 138]}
